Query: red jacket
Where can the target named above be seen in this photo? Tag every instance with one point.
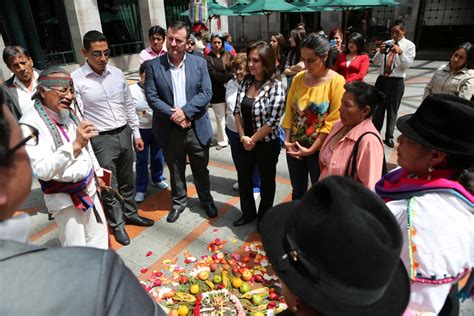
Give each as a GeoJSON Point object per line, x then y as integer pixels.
{"type": "Point", "coordinates": [357, 68]}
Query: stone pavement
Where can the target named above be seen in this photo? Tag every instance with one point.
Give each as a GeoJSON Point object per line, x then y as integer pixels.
{"type": "Point", "coordinates": [193, 231]}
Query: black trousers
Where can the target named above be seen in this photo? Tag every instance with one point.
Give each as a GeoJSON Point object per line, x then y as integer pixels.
{"type": "Point", "coordinates": [265, 156]}
{"type": "Point", "coordinates": [115, 152]}
{"type": "Point", "coordinates": [184, 142]}
{"type": "Point", "coordinates": [393, 88]}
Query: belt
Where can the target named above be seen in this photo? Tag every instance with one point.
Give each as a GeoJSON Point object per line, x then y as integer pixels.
{"type": "Point", "coordinates": [391, 78]}
{"type": "Point", "coordinates": [114, 131]}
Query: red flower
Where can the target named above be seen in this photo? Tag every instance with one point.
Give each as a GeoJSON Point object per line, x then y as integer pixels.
{"type": "Point", "coordinates": [310, 130]}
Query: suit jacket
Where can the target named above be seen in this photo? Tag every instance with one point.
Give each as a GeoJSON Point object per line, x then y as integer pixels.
{"type": "Point", "coordinates": [12, 97]}
{"type": "Point", "coordinates": [159, 94]}
{"type": "Point", "coordinates": [68, 281]}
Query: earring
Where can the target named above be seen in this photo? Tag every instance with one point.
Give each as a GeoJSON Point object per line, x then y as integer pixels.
{"type": "Point", "coordinates": [430, 170]}
{"type": "Point", "coordinates": [295, 309]}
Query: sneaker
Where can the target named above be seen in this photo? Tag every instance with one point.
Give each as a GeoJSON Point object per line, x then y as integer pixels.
{"type": "Point", "coordinates": [256, 195]}
{"type": "Point", "coordinates": [236, 186]}
{"type": "Point", "coordinates": [162, 185]}
{"type": "Point", "coordinates": [139, 197]}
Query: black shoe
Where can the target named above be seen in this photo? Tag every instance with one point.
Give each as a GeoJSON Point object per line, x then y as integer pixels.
{"type": "Point", "coordinates": [243, 220]}
{"type": "Point", "coordinates": [139, 221]}
{"type": "Point", "coordinates": [173, 215]}
{"type": "Point", "coordinates": [389, 142]}
{"type": "Point", "coordinates": [211, 210]}
{"type": "Point", "coordinates": [121, 236]}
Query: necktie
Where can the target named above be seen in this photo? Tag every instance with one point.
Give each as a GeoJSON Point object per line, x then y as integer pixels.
{"type": "Point", "coordinates": [389, 63]}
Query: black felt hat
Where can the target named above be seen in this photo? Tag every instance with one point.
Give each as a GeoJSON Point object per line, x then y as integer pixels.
{"type": "Point", "coordinates": [338, 250]}
{"type": "Point", "coordinates": [443, 122]}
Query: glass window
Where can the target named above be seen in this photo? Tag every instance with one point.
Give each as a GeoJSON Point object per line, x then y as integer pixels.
{"type": "Point", "coordinates": [121, 25]}
{"type": "Point", "coordinates": [173, 10]}
{"type": "Point", "coordinates": [53, 31]}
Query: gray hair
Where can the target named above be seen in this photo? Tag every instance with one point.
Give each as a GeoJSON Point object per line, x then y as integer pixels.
{"type": "Point", "coordinates": [13, 51]}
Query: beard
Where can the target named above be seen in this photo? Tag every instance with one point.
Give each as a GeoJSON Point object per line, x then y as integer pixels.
{"type": "Point", "coordinates": [64, 117]}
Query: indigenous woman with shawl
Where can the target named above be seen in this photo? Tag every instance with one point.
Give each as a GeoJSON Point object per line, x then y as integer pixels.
{"type": "Point", "coordinates": [432, 197]}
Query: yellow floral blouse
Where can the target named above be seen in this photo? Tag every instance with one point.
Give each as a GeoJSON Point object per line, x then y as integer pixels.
{"type": "Point", "coordinates": [312, 110]}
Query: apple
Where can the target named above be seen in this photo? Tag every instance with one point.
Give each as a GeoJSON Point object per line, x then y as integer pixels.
{"type": "Point", "coordinates": [273, 296]}
{"type": "Point", "coordinates": [257, 299]}
{"type": "Point", "coordinates": [244, 288]}
{"type": "Point", "coordinates": [217, 278]}
{"type": "Point", "coordinates": [247, 275]}
{"type": "Point", "coordinates": [203, 275]}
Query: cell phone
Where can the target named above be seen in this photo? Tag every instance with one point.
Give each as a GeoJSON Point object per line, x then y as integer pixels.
{"type": "Point", "coordinates": [332, 43]}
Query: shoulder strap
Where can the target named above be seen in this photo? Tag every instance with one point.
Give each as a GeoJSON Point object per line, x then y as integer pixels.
{"type": "Point", "coordinates": [351, 165]}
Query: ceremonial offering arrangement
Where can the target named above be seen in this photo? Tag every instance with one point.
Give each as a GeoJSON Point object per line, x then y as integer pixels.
{"type": "Point", "coordinates": [218, 284]}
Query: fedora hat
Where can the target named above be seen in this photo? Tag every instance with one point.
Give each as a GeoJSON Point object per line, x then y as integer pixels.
{"type": "Point", "coordinates": [443, 122]}
{"type": "Point", "coordinates": [338, 250]}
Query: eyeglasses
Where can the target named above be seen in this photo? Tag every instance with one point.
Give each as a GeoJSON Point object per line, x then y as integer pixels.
{"type": "Point", "coordinates": [98, 53]}
{"type": "Point", "coordinates": [30, 138]}
{"type": "Point", "coordinates": [192, 44]}
{"type": "Point", "coordinates": [217, 35]}
{"type": "Point", "coordinates": [62, 91]}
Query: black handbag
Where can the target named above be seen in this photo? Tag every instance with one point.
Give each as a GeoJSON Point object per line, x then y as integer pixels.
{"type": "Point", "coordinates": [351, 165]}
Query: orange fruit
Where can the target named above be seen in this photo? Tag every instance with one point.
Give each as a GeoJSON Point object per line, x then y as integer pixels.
{"type": "Point", "coordinates": [237, 282]}
{"type": "Point", "coordinates": [183, 310]}
{"type": "Point", "coordinates": [194, 289]}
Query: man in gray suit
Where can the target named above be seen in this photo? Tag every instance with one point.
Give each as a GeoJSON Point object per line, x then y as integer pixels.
{"type": "Point", "coordinates": [37, 280]}
{"type": "Point", "coordinates": [178, 89]}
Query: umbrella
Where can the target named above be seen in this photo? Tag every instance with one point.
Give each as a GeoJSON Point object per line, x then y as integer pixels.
{"type": "Point", "coordinates": [355, 5]}
{"type": "Point", "coordinates": [237, 7]}
{"type": "Point", "coordinates": [267, 7]}
{"type": "Point", "coordinates": [214, 8]}
{"type": "Point", "coordinates": [308, 6]}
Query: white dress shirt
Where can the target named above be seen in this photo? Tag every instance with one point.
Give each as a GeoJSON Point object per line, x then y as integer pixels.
{"type": "Point", "coordinates": [24, 95]}
{"type": "Point", "coordinates": [230, 99]}
{"type": "Point", "coordinates": [105, 99]}
{"type": "Point", "coordinates": [178, 77]}
{"type": "Point", "coordinates": [401, 62]}
{"type": "Point", "coordinates": [59, 164]}
{"type": "Point", "coordinates": [144, 112]}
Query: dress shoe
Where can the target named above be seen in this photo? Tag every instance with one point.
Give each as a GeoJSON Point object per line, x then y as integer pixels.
{"type": "Point", "coordinates": [173, 215]}
{"type": "Point", "coordinates": [211, 210]}
{"type": "Point", "coordinates": [243, 220]}
{"type": "Point", "coordinates": [121, 236]}
{"type": "Point", "coordinates": [139, 221]}
{"type": "Point", "coordinates": [389, 142]}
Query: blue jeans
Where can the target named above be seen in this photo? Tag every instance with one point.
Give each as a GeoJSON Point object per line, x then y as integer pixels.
{"type": "Point", "coordinates": [299, 169]}
{"type": "Point", "coordinates": [156, 164]}
{"type": "Point", "coordinates": [235, 150]}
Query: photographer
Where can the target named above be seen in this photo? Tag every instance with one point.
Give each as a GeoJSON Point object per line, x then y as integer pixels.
{"type": "Point", "coordinates": [393, 57]}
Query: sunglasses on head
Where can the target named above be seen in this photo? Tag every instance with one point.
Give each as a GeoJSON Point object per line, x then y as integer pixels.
{"type": "Point", "coordinates": [98, 53]}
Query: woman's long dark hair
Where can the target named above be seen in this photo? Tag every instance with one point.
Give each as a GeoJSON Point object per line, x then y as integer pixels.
{"type": "Point", "coordinates": [469, 48]}
{"type": "Point", "coordinates": [294, 56]}
{"type": "Point", "coordinates": [359, 40]}
{"type": "Point", "coordinates": [267, 57]}
{"type": "Point", "coordinates": [465, 167]}
{"type": "Point", "coordinates": [320, 45]}
{"type": "Point", "coordinates": [281, 44]}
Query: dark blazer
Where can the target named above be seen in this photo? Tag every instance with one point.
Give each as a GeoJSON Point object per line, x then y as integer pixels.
{"type": "Point", "coordinates": [11, 94]}
{"type": "Point", "coordinates": [159, 94]}
{"type": "Point", "coordinates": [37, 280]}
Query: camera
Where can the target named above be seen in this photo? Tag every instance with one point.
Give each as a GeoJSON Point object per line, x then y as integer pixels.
{"type": "Point", "coordinates": [388, 48]}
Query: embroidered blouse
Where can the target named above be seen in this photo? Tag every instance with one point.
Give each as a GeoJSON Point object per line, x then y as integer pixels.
{"type": "Point", "coordinates": [437, 225]}
{"type": "Point", "coordinates": [267, 106]}
{"type": "Point", "coordinates": [312, 110]}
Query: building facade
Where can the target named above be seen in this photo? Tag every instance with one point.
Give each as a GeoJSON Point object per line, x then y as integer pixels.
{"type": "Point", "coordinates": [52, 30]}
